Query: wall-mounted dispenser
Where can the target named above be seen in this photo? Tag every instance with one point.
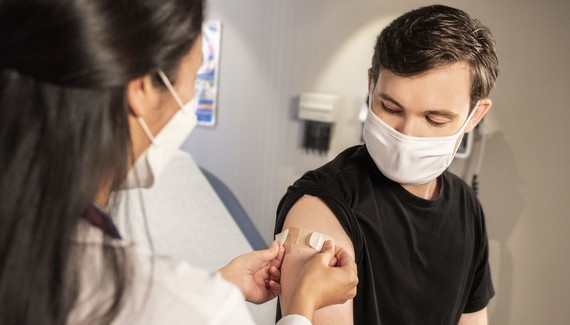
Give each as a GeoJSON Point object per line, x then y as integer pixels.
{"type": "Point", "coordinates": [464, 149]}
{"type": "Point", "coordinates": [318, 111]}
{"type": "Point", "coordinates": [362, 114]}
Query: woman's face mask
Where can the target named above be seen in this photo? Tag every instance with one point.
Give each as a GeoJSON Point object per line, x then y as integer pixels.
{"type": "Point", "coordinates": [150, 164]}
{"type": "Point", "coordinates": [406, 159]}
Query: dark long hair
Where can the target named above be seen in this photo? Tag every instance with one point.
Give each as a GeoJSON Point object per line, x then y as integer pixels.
{"type": "Point", "coordinates": [64, 134]}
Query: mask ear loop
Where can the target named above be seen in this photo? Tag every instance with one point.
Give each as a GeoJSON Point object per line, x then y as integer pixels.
{"type": "Point", "coordinates": [170, 88]}
{"type": "Point", "coordinates": [464, 127]}
{"type": "Point", "coordinates": [469, 117]}
{"type": "Point", "coordinates": [145, 128]}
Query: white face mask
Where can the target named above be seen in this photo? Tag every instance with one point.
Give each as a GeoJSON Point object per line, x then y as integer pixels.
{"type": "Point", "coordinates": [406, 159]}
{"type": "Point", "coordinates": [150, 164]}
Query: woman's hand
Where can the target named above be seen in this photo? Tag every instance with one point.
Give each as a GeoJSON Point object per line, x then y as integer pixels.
{"type": "Point", "coordinates": [329, 278]}
{"type": "Point", "coordinates": [257, 274]}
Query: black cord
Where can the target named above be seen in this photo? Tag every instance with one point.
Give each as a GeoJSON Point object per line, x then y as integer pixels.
{"type": "Point", "coordinates": [475, 184]}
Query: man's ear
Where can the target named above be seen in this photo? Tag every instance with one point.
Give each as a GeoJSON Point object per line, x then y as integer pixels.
{"type": "Point", "coordinates": [142, 96]}
{"type": "Point", "coordinates": [482, 109]}
{"type": "Point", "coordinates": [369, 78]}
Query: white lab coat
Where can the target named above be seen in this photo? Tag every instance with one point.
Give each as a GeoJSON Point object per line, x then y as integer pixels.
{"type": "Point", "coordinates": [162, 290]}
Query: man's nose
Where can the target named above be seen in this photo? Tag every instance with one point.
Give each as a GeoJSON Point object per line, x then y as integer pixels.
{"type": "Point", "coordinates": [406, 126]}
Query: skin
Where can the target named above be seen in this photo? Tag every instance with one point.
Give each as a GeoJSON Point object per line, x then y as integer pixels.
{"type": "Point", "coordinates": [328, 278]}
{"type": "Point", "coordinates": [312, 214]}
{"type": "Point", "coordinates": [156, 105]}
{"type": "Point", "coordinates": [433, 104]}
{"type": "Point", "coordinates": [257, 274]}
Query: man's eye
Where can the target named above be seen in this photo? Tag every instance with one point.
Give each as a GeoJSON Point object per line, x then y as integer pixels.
{"type": "Point", "coordinates": [435, 122]}
{"type": "Point", "coordinates": [390, 110]}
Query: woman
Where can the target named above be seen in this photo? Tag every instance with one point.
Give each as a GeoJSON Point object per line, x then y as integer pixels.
{"type": "Point", "coordinates": [93, 91]}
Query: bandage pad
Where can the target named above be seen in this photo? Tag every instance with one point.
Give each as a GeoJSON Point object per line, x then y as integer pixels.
{"type": "Point", "coordinates": [302, 237]}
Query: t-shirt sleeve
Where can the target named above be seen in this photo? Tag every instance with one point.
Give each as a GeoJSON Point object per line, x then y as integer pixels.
{"type": "Point", "coordinates": [332, 191]}
{"type": "Point", "coordinates": [482, 287]}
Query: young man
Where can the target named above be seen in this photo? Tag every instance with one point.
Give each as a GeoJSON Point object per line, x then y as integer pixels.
{"type": "Point", "coordinates": [417, 231]}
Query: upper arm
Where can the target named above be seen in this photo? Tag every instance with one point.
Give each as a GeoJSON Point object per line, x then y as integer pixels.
{"type": "Point", "coordinates": [311, 213]}
{"type": "Point", "coordinates": [476, 318]}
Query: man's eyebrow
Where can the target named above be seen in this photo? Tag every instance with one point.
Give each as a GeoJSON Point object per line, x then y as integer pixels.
{"type": "Point", "coordinates": [389, 98]}
{"type": "Point", "coordinates": [442, 112]}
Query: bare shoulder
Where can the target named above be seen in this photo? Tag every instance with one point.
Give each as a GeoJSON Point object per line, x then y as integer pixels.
{"type": "Point", "coordinates": [311, 213]}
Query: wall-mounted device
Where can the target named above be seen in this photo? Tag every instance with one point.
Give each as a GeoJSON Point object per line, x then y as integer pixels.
{"type": "Point", "coordinates": [362, 114]}
{"type": "Point", "coordinates": [466, 145]}
{"type": "Point", "coordinates": [318, 111]}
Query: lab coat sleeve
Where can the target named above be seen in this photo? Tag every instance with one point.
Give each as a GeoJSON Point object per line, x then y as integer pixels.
{"type": "Point", "coordinates": [232, 309]}
{"type": "Point", "coordinates": [162, 290]}
{"type": "Point", "coordinates": [293, 320]}
{"type": "Point", "coordinates": [183, 294]}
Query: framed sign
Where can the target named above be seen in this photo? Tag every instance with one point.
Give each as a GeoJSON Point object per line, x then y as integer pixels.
{"type": "Point", "coordinates": [207, 78]}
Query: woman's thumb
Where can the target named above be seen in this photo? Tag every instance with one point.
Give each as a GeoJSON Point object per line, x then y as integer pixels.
{"type": "Point", "coordinates": [329, 251]}
{"type": "Point", "coordinates": [271, 252]}
{"type": "Point", "coordinates": [328, 248]}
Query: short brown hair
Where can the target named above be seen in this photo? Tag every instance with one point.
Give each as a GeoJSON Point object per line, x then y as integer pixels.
{"type": "Point", "coordinates": [434, 36]}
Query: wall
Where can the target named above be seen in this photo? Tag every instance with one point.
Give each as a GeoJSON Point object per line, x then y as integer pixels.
{"type": "Point", "coordinates": [274, 50]}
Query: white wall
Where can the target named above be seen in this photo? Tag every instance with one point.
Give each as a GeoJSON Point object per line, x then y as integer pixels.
{"type": "Point", "coordinates": [274, 50]}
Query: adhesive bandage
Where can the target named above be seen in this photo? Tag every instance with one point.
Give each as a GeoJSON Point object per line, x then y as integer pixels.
{"type": "Point", "coordinates": [302, 237]}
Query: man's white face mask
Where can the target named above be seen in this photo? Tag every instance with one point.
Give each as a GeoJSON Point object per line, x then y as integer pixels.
{"type": "Point", "coordinates": [152, 161]}
{"type": "Point", "coordinates": [406, 159]}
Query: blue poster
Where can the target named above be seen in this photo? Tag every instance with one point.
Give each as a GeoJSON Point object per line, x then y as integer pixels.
{"type": "Point", "coordinates": [207, 78]}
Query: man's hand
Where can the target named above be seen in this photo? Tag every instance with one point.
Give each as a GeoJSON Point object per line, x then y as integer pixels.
{"type": "Point", "coordinates": [257, 274]}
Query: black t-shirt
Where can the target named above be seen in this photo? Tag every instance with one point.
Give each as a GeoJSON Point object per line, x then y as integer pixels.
{"type": "Point", "coordinates": [419, 261]}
